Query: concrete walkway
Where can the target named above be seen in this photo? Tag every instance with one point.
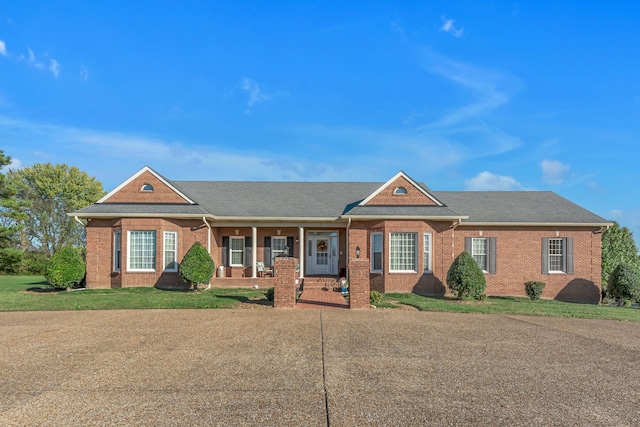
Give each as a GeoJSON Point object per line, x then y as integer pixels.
{"type": "Point", "coordinates": [266, 367]}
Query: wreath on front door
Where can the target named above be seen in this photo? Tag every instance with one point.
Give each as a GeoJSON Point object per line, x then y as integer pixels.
{"type": "Point", "coordinates": [321, 246]}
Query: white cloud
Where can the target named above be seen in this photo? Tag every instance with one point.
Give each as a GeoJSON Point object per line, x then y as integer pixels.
{"type": "Point", "coordinates": [487, 181]}
{"type": "Point", "coordinates": [554, 172]}
{"type": "Point", "coordinates": [84, 73]}
{"type": "Point", "coordinates": [255, 93]}
{"type": "Point", "coordinates": [54, 67]}
{"type": "Point", "coordinates": [3, 48]}
{"type": "Point", "coordinates": [449, 27]}
{"type": "Point", "coordinates": [114, 156]}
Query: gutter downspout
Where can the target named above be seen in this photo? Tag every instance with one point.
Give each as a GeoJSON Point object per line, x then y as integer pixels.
{"type": "Point", "coordinates": [208, 246]}
{"type": "Point", "coordinates": [348, 227]}
{"type": "Point", "coordinates": [78, 221]}
{"type": "Point", "coordinates": [453, 237]}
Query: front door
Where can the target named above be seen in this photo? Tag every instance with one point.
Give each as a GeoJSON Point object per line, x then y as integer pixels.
{"type": "Point", "coordinates": [319, 255]}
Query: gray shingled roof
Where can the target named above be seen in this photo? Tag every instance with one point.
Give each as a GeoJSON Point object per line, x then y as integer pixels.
{"type": "Point", "coordinates": [277, 199]}
{"type": "Point", "coordinates": [322, 200]}
{"type": "Point", "coordinates": [517, 206]}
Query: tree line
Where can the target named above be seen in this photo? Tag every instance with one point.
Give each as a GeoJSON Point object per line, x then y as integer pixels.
{"type": "Point", "coordinates": [34, 202]}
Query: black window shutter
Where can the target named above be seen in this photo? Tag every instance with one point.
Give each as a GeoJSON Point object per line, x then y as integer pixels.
{"type": "Point", "coordinates": [290, 245]}
{"type": "Point", "coordinates": [492, 254]}
{"type": "Point", "coordinates": [545, 255]}
{"type": "Point", "coordinates": [248, 250]}
{"type": "Point", "coordinates": [569, 256]}
{"type": "Point", "coordinates": [467, 244]}
{"type": "Point", "coordinates": [225, 251]}
{"type": "Point", "coordinates": [267, 251]}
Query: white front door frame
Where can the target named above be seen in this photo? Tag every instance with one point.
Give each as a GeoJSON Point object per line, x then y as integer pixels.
{"type": "Point", "coordinates": [321, 252]}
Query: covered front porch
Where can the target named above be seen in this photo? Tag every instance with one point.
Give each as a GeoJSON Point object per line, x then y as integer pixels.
{"type": "Point", "coordinates": [245, 256]}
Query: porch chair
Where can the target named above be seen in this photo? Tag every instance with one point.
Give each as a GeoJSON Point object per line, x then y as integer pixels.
{"type": "Point", "coordinates": [262, 270]}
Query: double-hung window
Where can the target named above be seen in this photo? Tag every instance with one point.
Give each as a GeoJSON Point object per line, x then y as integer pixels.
{"type": "Point", "coordinates": [142, 251]}
{"type": "Point", "coordinates": [557, 255]}
{"type": "Point", "coordinates": [483, 251]}
{"type": "Point", "coordinates": [426, 252]}
{"type": "Point", "coordinates": [403, 251]}
{"type": "Point", "coordinates": [376, 252]}
{"type": "Point", "coordinates": [277, 246]}
{"type": "Point", "coordinates": [236, 251]}
{"type": "Point", "coordinates": [479, 252]}
{"type": "Point", "coordinates": [170, 251]}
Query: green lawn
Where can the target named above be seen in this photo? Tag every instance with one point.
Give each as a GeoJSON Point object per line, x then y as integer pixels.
{"type": "Point", "coordinates": [31, 293]}
{"type": "Point", "coordinates": [515, 306]}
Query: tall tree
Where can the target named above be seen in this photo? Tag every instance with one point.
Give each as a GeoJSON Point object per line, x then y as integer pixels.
{"type": "Point", "coordinates": [11, 212]}
{"type": "Point", "coordinates": [618, 247]}
{"type": "Point", "coordinates": [53, 191]}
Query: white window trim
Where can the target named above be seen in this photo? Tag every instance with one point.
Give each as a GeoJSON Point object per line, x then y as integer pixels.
{"type": "Point", "coordinates": [140, 270]}
{"type": "Point", "coordinates": [562, 256]}
{"type": "Point", "coordinates": [275, 253]}
{"type": "Point", "coordinates": [117, 250]}
{"type": "Point", "coordinates": [415, 252]}
{"type": "Point", "coordinates": [381, 252]}
{"type": "Point", "coordinates": [174, 249]}
{"type": "Point", "coordinates": [486, 253]}
{"type": "Point", "coordinates": [428, 267]}
{"type": "Point", "coordinates": [231, 251]}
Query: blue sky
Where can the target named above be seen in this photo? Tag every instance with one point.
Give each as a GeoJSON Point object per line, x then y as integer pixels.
{"type": "Point", "coordinates": [527, 95]}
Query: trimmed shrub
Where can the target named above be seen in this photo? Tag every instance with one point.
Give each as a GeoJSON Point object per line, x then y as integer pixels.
{"type": "Point", "coordinates": [197, 266]}
{"type": "Point", "coordinates": [375, 297]}
{"type": "Point", "coordinates": [269, 294]}
{"type": "Point", "coordinates": [465, 278]}
{"type": "Point", "coordinates": [65, 269]}
{"type": "Point", "coordinates": [624, 283]}
{"type": "Point", "coordinates": [534, 289]}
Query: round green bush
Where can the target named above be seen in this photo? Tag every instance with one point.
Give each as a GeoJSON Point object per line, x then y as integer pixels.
{"type": "Point", "coordinates": [65, 269]}
{"type": "Point", "coordinates": [534, 289]}
{"type": "Point", "coordinates": [197, 266]}
{"type": "Point", "coordinates": [375, 297]}
{"type": "Point", "coordinates": [624, 283]}
{"type": "Point", "coordinates": [465, 278]}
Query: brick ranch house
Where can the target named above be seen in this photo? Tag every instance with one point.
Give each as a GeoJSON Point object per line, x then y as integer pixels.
{"type": "Point", "coordinates": [138, 233]}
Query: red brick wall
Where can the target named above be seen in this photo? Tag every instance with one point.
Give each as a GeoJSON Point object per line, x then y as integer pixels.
{"type": "Point", "coordinates": [100, 251]}
{"type": "Point", "coordinates": [419, 282]}
{"type": "Point", "coordinates": [519, 259]}
{"type": "Point", "coordinates": [359, 283]}
{"type": "Point", "coordinates": [132, 192]}
{"type": "Point", "coordinates": [284, 291]}
{"type": "Point", "coordinates": [413, 196]}
{"type": "Point", "coordinates": [519, 255]}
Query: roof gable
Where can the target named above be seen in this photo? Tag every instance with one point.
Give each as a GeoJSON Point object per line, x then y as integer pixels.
{"type": "Point", "coordinates": [401, 190]}
{"type": "Point", "coordinates": [146, 186]}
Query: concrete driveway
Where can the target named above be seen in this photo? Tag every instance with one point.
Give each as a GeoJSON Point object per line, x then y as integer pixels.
{"type": "Point", "coordinates": [315, 368]}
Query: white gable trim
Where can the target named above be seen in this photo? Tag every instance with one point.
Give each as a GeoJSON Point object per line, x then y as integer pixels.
{"type": "Point", "coordinates": [137, 174]}
{"type": "Point", "coordinates": [395, 177]}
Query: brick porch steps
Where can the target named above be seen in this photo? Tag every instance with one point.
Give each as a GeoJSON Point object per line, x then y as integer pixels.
{"type": "Point", "coordinates": [321, 283]}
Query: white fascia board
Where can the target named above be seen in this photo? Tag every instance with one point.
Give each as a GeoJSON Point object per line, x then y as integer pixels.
{"type": "Point", "coordinates": [139, 215]}
{"type": "Point", "coordinates": [395, 177]}
{"type": "Point", "coordinates": [417, 217]}
{"type": "Point", "coordinates": [137, 174]}
{"type": "Point", "coordinates": [536, 224]}
{"type": "Point", "coordinates": [277, 219]}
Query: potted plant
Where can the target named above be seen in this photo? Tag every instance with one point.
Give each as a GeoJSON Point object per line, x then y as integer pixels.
{"type": "Point", "coordinates": [344, 285]}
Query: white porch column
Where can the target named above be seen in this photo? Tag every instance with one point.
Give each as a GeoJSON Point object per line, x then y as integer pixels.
{"type": "Point", "coordinates": [254, 252]}
{"type": "Point", "coordinates": [301, 251]}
